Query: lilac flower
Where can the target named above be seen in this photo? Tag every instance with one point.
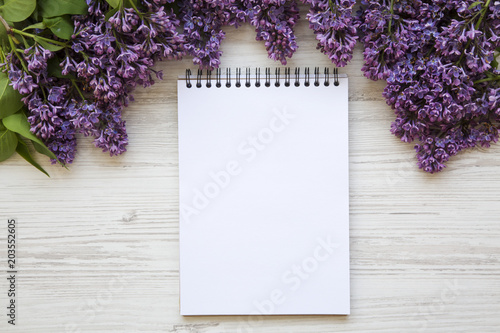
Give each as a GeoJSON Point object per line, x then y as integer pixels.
{"type": "Point", "coordinates": [274, 22]}
{"type": "Point", "coordinates": [437, 59]}
{"type": "Point", "coordinates": [203, 21]}
{"type": "Point", "coordinates": [36, 57]}
{"type": "Point", "coordinates": [51, 121]}
{"type": "Point", "coordinates": [106, 59]}
{"type": "Point", "coordinates": [335, 28]}
{"type": "Point", "coordinates": [21, 81]}
{"type": "Point", "coordinates": [114, 57]}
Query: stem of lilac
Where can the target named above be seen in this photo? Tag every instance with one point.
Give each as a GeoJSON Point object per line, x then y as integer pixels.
{"type": "Point", "coordinates": [136, 10]}
{"type": "Point", "coordinates": [485, 9]}
{"type": "Point", "coordinates": [26, 45]}
{"type": "Point", "coordinates": [77, 89]}
{"type": "Point", "coordinates": [84, 55]}
{"type": "Point", "coordinates": [27, 34]}
{"type": "Point", "coordinates": [16, 52]}
{"type": "Point", "coordinates": [496, 78]}
{"type": "Point", "coordinates": [474, 17]}
{"type": "Point", "coordinates": [2, 56]}
{"type": "Point", "coordinates": [333, 8]}
{"type": "Point", "coordinates": [392, 13]}
{"type": "Point", "coordinates": [478, 23]}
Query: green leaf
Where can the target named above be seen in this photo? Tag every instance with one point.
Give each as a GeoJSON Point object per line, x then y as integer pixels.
{"type": "Point", "coordinates": [52, 8]}
{"type": "Point", "coordinates": [17, 10]}
{"type": "Point", "coordinates": [4, 37]}
{"type": "Point", "coordinates": [8, 143]}
{"type": "Point", "coordinates": [474, 4]}
{"type": "Point", "coordinates": [47, 45]}
{"type": "Point", "coordinates": [23, 150]}
{"type": "Point", "coordinates": [494, 63]}
{"type": "Point", "coordinates": [61, 26]}
{"type": "Point", "coordinates": [117, 4]}
{"type": "Point", "coordinates": [10, 99]}
{"type": "Point", "coordinates": [114, 3]}
{"type": "Point", "coordinates": [18, 123]}
{"type": "Point", "coordinates": [39, 25]}
{"type": "Point", "coordinates": [130, 3]}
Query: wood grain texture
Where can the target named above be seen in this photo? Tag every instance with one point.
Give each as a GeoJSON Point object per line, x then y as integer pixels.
{"type": "Point", "coordinates": [98, 244]}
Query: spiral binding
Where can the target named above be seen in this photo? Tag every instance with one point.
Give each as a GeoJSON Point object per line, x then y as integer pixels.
{"type": "Point", "coordinates": [287, 77]}
{"type": "Point", "coordinates": [188, 78]}
{"type": "Point", "coordinates": [209, 79]}
{"type": "Point", "coordinates": [336, 77]}
{"type": "Point", "coordinates": [317, 79]}
{"type": "Point", "coordinates": [316, 76]}
{"type": "Point", "coordinates": [198, 78]}
{"type": "Point", "coordinates": [228, 77]}
{"type": "Point", "coordinates": [218, 74]}
{"type": "Point", "coordinates": [238, 77]}
{"type": "Point", "coordinates": [247, 78]}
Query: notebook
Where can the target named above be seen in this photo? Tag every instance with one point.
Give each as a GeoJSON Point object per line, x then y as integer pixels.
{"type": "Point", "coordinates": [264, 192]}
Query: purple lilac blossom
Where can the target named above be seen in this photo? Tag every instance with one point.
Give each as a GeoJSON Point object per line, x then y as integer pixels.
{"type": "Point", "coordinates": [335, 28]}
{"type": "Point", "coordinates": [44, 96]}
{"type": "Point", "coordinates": [436, 57]}
{"type": "Point", "coordinates": [203, 21]}
{"type": "Point", "coordinates": [113, 57]}
{"type": "Point", "coordinates": [274, 21]}
{"type": "Point", "coordinates": [109, 59]}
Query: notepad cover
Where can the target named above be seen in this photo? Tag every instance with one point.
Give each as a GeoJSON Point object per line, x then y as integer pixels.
{"type": "Point", "coordinates": [264, 200]}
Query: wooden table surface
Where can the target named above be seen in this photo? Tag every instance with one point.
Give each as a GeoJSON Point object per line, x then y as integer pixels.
{"type": "Point", "coordinates": [98, 243]}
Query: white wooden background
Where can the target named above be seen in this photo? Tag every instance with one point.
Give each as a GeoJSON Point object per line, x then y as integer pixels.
{"type": "Point", "coordinates": [98, 244]}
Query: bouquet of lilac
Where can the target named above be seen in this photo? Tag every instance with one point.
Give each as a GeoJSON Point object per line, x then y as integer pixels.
{"type": "Point", "coordinates": [332, 21]}
{"type": "Point", "coordinates": [203, 21]}
{"type": "Point", "coordinates": [439, 61]}
{"type": "Point", "coordinates": [70, 66]}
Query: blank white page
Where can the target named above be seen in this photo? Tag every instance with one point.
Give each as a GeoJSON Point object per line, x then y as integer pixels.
{"type": "Point", "coordinates": [264, 199]}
